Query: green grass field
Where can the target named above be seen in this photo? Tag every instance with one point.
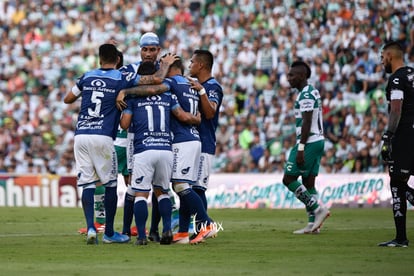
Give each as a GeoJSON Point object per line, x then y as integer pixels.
{"type": "Point", "coordinates": [44, 241]}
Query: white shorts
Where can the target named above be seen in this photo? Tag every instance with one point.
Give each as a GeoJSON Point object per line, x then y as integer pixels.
{"type": "Point", "coordinates": [204, 170]}
{"type": "Point", "coordinates": [152, 168]}
{"type": "Point", "coordinates": [186, 161]}
{"type": "Point", "coordinates": [130, 151]}
{"type": "Point", "coordinates": [95, 160]}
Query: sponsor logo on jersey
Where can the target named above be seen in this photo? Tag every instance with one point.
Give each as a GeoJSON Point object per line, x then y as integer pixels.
{"type": "Point", "coordinates": [98, 83]}
{"type": "Point", "coordinates": [396, 81]}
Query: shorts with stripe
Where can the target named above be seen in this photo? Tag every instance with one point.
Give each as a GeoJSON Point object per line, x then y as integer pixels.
{"type": "Point", "coordinates": [204, 170]}
{"type": "Point", "coordinates": [186, 161]}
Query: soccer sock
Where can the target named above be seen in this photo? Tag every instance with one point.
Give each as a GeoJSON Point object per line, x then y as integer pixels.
{"type": "Point", "coordinates": [164, 204]}
{"type": "Point", "coordinates": [195, 206]}
{"type": "Point", "coordinates": [88, 207]}
{"type": "Point", "coordinates": [111, 201]}
{"type": "Point", "coordinates": [399, 207]}
{"type": "Point", "coordinates": [155, 215]}
{"type": "Point", "coordinates": [311, 214]}
{"type": "Point", "coordinates": [99, 197]}
{"type": "Point", "coordinates": [303, 195]}
{"type": "Point", "coordinates": [141, 215]}
{"type": "Point", "coordinates": [128, 210]}
{"type": "Point", "coordinates": [202, 194]}
{"type": "Point", "coordinates": [184, 217]}
{"type": "Point", "coordinates": [172, 199]}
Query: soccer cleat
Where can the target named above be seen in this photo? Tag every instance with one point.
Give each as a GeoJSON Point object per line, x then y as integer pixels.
{"type": "Point", "coordinates": [100, 228]}
{"type": "Point", "coordinates": [134, 231]}
{"type": "Point", "coordinates": [394, 243]}
{"type": "Point", "coordinates": [213, 232]}
{"type": "Point", "coordinates": [166, 237]}
{"type": "Point", "coordinates": [141, 242]}
{"type": "Point", "coordinates": [307, 230]}
{"type": "Point", "coordinates": [202, 235]}
{"type": "Point", "coordinates": [154, 236]}
{"type": "Point", "coordinates": [91, 237]}
{"type": "Point", "coordinates": [320, 215]}
{"type": "Point", "coordinates": [116, 238]}
{"type": "Point", "coordinates": [181, 238]}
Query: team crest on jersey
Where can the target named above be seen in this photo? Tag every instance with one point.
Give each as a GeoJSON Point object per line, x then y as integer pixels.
{"type": "Point", "coordinates": [98, 83]}
{"type": "Point", "coordinates": [212, 94]}
{"type": "Point", "coordinates": [139, 180]}
{"type": "Point", "coordinates": [194, 131]}
{"type": "Point", "coordinates": [185, 171]}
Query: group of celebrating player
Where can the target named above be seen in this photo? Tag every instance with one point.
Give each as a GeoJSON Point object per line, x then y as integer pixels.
{"type": "Point", "coordinates": [171, 121]}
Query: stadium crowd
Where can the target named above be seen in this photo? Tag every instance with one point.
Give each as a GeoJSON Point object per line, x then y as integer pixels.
{"type": "Point", "coordinates": [47, 44]}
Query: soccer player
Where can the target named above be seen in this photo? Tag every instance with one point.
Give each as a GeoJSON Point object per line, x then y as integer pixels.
{"type": "Point", "coordinates": [304, 158]}
{"type": "Point", "coordinates": [398, 147]}
{"type": "Point", "coordinates": [153, 158]}
{"type": "Point", "coordinates": [93, 144]}
{"type": "Point", "coordinates": [150, 50]}
{"type": "Point", "coordinates": [211, 96]}
{"type": "Point", "coordinates": [187, 149]}
{"type": "Point", "coordinates": [120, 149]}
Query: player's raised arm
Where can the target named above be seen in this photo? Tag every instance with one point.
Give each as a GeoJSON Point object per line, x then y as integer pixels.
{"type": "Point", "coordinates": [159, 76]}
{"type": "Point", "coordinates": [208, 107]}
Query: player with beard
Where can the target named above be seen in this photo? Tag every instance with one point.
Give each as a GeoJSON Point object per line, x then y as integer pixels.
{"type": "Point", "coordinates": [398, 147]}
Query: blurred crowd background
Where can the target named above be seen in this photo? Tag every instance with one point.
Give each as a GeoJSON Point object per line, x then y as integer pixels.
{"type": "Point", "coordinates": [46, 45]}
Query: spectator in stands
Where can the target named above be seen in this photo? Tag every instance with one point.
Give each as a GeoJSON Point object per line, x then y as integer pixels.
{"type": "Point", "coordinates": [60, 35]}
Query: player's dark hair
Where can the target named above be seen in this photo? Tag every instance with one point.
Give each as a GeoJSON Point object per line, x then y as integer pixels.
{"type": "Point", "coordinates": [206, 57]}
{"type": "Point", "coordinates": [146, 68]}
{"type": "Point", "coordinates": [304, 64]}
{"type": "Point", "coordinates": [121, 60]}
{"type": "Point", "coordinates": [108, 53]}
{"type": "Point", "coordinates": [393, 45]}
{"type": "Point", "coordinates": [178, 64]}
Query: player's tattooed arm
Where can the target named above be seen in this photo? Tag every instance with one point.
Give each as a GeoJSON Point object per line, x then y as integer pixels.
{"type": "Point", "coordinates": [140, 91]}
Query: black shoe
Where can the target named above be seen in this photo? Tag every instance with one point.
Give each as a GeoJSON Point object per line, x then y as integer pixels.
{"type": "Point", "coordinates": [141, 242]}
{"type": "Point", "coordinates": [154, 236]}
{"type": "Point", "coordinates": [167, 237]}
{"type": "Point", "coordinates": [394, 243]}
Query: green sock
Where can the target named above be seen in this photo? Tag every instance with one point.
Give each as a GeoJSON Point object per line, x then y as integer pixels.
{"type": "Point", "coordinates": [303, 195]}
{"type": "Point", "coordinates": [99, 204]}
{"type": "Point", "coordinates": [311, 214]}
